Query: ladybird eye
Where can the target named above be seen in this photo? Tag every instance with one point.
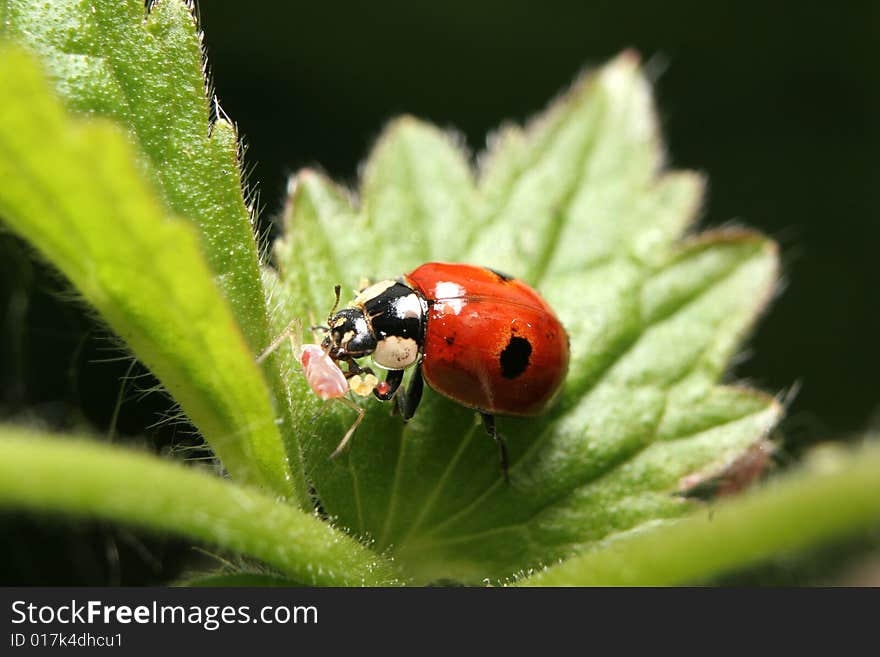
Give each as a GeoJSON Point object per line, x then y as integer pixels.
{"type": "Point", "coordinates": [337, 335]}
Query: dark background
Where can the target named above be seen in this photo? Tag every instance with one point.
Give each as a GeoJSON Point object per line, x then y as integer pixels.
{"type": "Point", "coordinates": [776, 104]}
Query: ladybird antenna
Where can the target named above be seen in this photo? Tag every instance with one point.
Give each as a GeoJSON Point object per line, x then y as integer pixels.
{"type": "Point", "coordinates": [337, 289]}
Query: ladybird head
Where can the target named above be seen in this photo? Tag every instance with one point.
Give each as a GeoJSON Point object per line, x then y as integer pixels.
{"type": "Point", "coordinates": [385, 320]}
{"type": "Point", "coordinates": [350, 334]}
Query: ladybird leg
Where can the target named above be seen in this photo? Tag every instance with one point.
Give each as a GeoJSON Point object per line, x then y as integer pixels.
{"type": "Point", "coordinates": [353, 367]}
{"type": "Point", "coordinates": [351, 429]}
{"type": "Point", "coordinates": [409, 402]}
{"type": "Point", "coordinates": [291, 331]}
{"type": "Point", "coordinates": [489, 424]}
{"type": "Point", "coordinates": [394, 378]}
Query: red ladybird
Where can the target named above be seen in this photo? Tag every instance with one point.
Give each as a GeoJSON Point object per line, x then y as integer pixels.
{"type": "Point", "coordinates": [479, 337]}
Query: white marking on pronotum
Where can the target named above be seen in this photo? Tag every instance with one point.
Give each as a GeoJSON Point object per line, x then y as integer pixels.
{"type": "Point", "coordinates": [408, 307]}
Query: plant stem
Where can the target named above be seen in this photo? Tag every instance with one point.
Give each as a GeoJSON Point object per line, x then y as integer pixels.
{"type": "Point", "coordinates": [50, 474]}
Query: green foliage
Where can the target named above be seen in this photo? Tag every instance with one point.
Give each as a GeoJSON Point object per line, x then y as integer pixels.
{"type": "Point", "coordinates": [142, 210]}
{"type": "Point", "coordinates": [79, 477]}
{"type": "Point", "coordinates": [836, 492]}
{"type": "Point", "coordinates": [81, 200]}
{"type": "Point", "coordinates": [144, 71]}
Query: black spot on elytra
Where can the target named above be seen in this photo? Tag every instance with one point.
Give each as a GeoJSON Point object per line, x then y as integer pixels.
{"type": "Point", "coordinates": [449, 340]}
{"type": "Point", "coordinates": [504, 277]}
{"type": "Point", "coordinates": [515, 357]}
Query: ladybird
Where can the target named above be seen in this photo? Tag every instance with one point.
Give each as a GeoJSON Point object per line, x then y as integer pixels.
{"type": "Point", "coordinates": [481, 338]}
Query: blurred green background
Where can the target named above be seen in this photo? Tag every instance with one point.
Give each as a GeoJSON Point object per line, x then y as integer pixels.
{"type": "Point", "coordinates": [776, 104]}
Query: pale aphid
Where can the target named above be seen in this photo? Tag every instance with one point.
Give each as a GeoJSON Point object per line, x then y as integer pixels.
{"type": "Point", "coordinates": [323, 375]}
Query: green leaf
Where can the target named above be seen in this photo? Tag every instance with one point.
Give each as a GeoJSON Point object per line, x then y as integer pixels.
{"type": "Point", "coordinates": [835, 495]}
{"type": "Point", "coordinates": [43, 473]}
{"type": "Point", "coordinates": [73, 189]}
{"type": "Point", "coordinates": [145, 70]}
{"type": "Point", "coordinates": [579, 206]}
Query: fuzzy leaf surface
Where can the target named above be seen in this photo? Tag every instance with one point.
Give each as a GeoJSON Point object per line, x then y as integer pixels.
{"type": "Point", "coordinates": [145, 70]}
{"type": "Point", "coordinates": [72, 475]}
{"type": "Point", "coordinates": [75, 191]}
